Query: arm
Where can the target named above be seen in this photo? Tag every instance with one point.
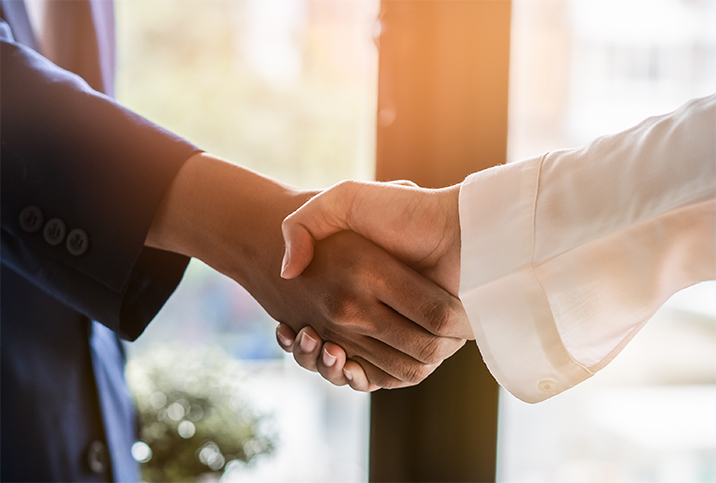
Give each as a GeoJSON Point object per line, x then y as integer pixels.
{"type": "Point", "coordinates": [586, 244]}
{"type": "Point", "coordinates": [354, 293]}
{"type": "Point", "coordinates": [564, 257]}
{"type": "Point", "coordinates": [81, 158]}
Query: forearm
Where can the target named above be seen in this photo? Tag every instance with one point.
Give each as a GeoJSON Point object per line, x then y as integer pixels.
{"type": "Point", "coordinates": [225, 215]}
{"type": "Point", "coordinates": [353, 293]}
{"type": "Point", "coordinates": [584, 247]}
{"type": "Point", "coordinates": [77, 156]}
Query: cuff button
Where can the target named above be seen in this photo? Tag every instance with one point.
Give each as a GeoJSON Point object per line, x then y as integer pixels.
{"type": "Point", "coordinates": [547, 386]}
{"type": "Point", "coordinates": [77, 242]}
{"type": "Point", "coordinates": [55, 231]}
{"type": "Point", "coordinates": [31, 219]}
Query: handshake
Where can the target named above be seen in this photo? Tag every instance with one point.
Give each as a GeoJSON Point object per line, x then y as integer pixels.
{"type": "Point", "coordinates": [413, 319]}
{"type": "Point", "coordinates": [364, 277]}
{"type": "Point", "coordinates": [369, 272]}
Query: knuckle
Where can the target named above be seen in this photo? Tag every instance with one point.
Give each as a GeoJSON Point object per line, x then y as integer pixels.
{"type": "Point", "coordinates": [339, 310]}
{"type": "Point", "coordinates": [433, 351]}
{"type": "Point", "coordinates": [379, 377]}
{"type": "Point", "coordinates": [438, 315]}
{"type": "Point", "coordinates": [342, 310]}
{"type": "Point", "coordinates": [416, 373]}
{"type": "Point", "coordinates": [386, 381]}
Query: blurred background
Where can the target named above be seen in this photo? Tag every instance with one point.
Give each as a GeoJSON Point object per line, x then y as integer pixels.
{"type": "Point", "coordinates": [580, 69]}
{"type": "Point", "coordinates": [289, 88]}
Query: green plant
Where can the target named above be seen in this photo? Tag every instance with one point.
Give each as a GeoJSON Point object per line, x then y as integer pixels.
{"type": "Point", "coordinates": [193, 419]}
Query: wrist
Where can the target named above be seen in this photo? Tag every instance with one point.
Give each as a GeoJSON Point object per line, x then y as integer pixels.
{"type": "Point", "coordinates": [450, 246]}
{"type": "Point", "coordinates": [450, 201]}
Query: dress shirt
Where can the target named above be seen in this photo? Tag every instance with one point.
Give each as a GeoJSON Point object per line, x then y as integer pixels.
{"type": "Point", "coordinates": [567, 255]}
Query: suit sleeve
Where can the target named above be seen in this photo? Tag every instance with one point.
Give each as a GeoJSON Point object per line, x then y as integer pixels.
{"type": "Point", "coordinates": [567, 255]}
{"type": "Point", "coordinates": [82, 178]}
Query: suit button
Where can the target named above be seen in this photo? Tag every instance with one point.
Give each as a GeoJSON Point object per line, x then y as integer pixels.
{"type": "Point", "coordinates": [31, 219]}
{"type": "Point", "coordinates": [55, 231]}
{"type": "Point", "coordinates": [77, 242]}
{"type": "Point", "coordinates": [97, 456]}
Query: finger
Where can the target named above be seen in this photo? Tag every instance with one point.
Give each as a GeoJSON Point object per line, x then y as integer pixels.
{"type": "Point", "coordinates": [406, 336]}
{"type": "Point", "coordinates": [363, 325]}
{"type": "Point", "coordinates": [389, 365]}
{"type": "Point", "coordinates": [298, 252]}
{"type": "Point", "coordinates": [323, 215]}
{"type": "Point", "coordinates": [422, 301]}
{"type": "Point", "coordinates": [380, 378]}
{"type": "Point", "coordinates": [285, 336]}
{"type": "Point", "coordinates": [331, 363]}
{"type": "Point", "coordinates": [307, 348]}
{"type": "Point", "coordinates": [356, 377]}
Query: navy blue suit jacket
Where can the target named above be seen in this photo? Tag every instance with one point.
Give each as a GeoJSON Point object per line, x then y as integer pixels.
{"type": "Point", "coordinates": [72, 158]}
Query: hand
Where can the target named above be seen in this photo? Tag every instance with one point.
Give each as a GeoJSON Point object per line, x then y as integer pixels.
{"type": "Point", "coordinates": [327, 358]}
{"type": "Point", "coordinates": [385, 315]}
{"type": "Point", "coordinates": [419, 226]}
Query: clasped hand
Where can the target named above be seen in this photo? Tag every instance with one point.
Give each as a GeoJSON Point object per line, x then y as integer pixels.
{"type": "Point", "coordinates": [395, 317]}
{"type": "Point", "coordinates": [420, 227]}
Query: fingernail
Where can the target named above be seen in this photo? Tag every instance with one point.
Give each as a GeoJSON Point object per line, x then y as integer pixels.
{"type": "Point", "coordinates": [285, 341]}
{"type": "Point", "coordinates": [284, 264]}
{"type": "Point", "coordinates": [308, 343]}
{"type": "Point", "coordinates": [328, 359]}
{"type": "Point", "coordinates": [348, 375]}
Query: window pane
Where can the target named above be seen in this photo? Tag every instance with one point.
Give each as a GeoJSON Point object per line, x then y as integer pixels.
{"type": "Point", "coordinates": [288, 88]}
{"type": "Point", "coordinates": [581, 69]}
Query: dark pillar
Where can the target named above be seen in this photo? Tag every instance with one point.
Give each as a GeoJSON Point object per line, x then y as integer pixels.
{"type": "Point", "coordinates": [442, 114]}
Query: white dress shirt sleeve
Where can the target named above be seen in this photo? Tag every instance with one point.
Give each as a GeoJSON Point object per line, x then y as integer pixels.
{"type": "Point", "coordinates": [566, 256]}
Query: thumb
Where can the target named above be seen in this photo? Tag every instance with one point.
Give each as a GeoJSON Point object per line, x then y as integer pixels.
{"type": "Point", "coordinates": [318, 218]}
{"type": "Point", "coordinates": [299, 248]}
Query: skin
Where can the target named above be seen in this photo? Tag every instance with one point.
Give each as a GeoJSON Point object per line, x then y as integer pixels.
{"type": "Point", "coordinates": [419, 226]}
{"type": "Point", "coordinates": [385, 316]}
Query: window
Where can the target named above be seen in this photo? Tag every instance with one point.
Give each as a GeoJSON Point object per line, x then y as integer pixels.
{"type": "Point", "coordinates": [288, 88]}
{"type": "Point", "coordinates": [580, 69]}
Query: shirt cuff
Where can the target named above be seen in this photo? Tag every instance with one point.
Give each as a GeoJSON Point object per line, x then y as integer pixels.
{"type": "Point", "coordinates": [507, 307]}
